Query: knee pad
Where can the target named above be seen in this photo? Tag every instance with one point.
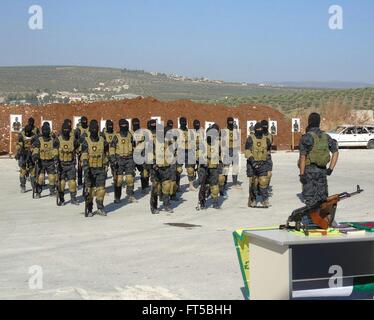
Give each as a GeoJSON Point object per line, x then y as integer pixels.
{"type": "Point", "coordinates": [62, 185]}
{"type": "Point", "coordinates": [145, 173]}
{"type": "Point", "coordinates": [100, 193]}
{"type": "Point", "coordinates": [221, 179]}
{"type": "Point", "coordinates": [214, 191]}
{"type": "Point", "coordinates": [263, 182]}
{"type": "Point", "coordinates": [51, 179]}
{"type": "Point", "coordinates": [72, 186]}
{"type": "Point", "coordinates": [90, 194]}
{"type": "Point", "coordinates": [173, 187]}
{"type": "Point", "coordinates": [22, 172]}
{"type": "Point", "coordinates": [179, 169]}
{"type": "Point", "coordinates": [166, 187]}
{"type": "Point", "coordinates": [119, 180]}
{"type": "Point", "coordinates": [130, 180]}
{"type": "Point", "coordinates": [190, 171]}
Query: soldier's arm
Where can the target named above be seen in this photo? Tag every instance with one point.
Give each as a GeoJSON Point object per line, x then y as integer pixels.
{"type": "Point", "coordinates": [20, 144]}
{"type": "Point", "coordinates": [77, 133]}
{"type": "Point", "coordinates": [305, 145]}
{"type": "Point", "coordinates": [35, 149]}
{"type": "Point", "coordinates": [112, 147]}
{"type": "Point", "coordinates": [76, 144]}
{"type": "Point", "coordinates": [84, 156]}
{"type": "Point", "coordinates": [248, 148]}
{"type": "Point", "coordinates": [333, 147]}
{"type": "Point", "coordinates": [56, 146]}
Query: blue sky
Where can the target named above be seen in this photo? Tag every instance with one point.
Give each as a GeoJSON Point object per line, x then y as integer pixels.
{"type": "Point", "coordinates": [242, 40]}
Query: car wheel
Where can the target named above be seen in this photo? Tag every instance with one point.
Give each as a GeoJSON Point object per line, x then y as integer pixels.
{"type": "Point", "coordinates": [371, 144]}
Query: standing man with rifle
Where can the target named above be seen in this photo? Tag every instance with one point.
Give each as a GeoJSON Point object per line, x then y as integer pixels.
{"type": "Point", "coordinates": [81, 132]}
{"type": "Point", "coordinates": [108, 134]}
{"type": "Point", "coordinates": [209, 172]}
{"type": "Point", "coordinates": [66, 146]}
{"type": "Point", "coordinates": [24, 157]}
{"type": "Point", "coordinates": [94, 163]}
{"type": "Point", "coordinates": [256, 152]}
{"type": "Point", "coordinates": [44, 155]}
{"type": "Point", "coordinates": [317, 151]}
{"type": "Point", "coordinates": [269, 160]}
{"type": "Point", "coordinates": [121, 158]}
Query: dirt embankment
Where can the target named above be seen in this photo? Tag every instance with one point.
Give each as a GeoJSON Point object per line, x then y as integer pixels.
{"type": "Point", "coordinates": [144, 109]}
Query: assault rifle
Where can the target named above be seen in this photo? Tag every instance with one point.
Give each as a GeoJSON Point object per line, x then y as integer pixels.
{"type": "Point", "coordinates": [58, 185]}
{"type": "Point", "coordinates": [36, 188]}
{"type": "Point", "coordinates": [322, 214]}
{"type": "Point", "coordinates": [86, 193]}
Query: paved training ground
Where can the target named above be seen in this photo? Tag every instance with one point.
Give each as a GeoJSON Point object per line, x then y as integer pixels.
{"type": "Point", "coordinates": [131, 254]}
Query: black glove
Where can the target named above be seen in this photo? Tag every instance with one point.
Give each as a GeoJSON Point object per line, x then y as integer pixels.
{"type": "Point", "coordinates": [329, 171]}
{"type": "Point", "coordinates": [303, 179]}
{"type": "Point", "coordinates": [251, 161]}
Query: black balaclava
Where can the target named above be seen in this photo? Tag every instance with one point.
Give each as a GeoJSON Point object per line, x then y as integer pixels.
{"type": "Point", "coordinates": [109, 126]}
{"type": "Point", "coordinates": [31, 122]}
{"type": "Point", "coordinates": [169, 124]}
{"type": "Point", "coordinates": [212, 127]}
{"type": "Point", "coordinates": [84, 122]}
{"type": "Point", "coordinates": [123, 127]}
{"type": "Point", "coordinates": [135, 124]}
{"type": "Point", "coordinates": [68, 121]}
{"type": "Point", "coordinates": [183, 123]}
{"type": "Point", "coordinates": [65, 130]}
{"type": "Point", "coordinates": [94, 129]}
{"type": "Point", "coordinates": [46, 130]}
{"type": "Point", "coordinates": [265, 126]}
{"type": "Point", "coordinates": [314, 120]}
{"type": "Point", "coordinates": [230, 123]}
{"type": "Point", "coordinates": [152, 125]}
{"type": "Point", "coordinates": [28, 130]}
{"type": "Point", "coordinates": [259, 131]}
{"type": "Point", "coordinates": [196, 124]}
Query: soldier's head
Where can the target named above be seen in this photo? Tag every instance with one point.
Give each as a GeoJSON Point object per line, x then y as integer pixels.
{"type": "Point", "coordinates": [135, 124]}
{"type": "Point", "coordinates": [46, 130]}
{"type": "Point", "coordinates": [259, 132]}
{"type": "Point", "coordinates": [123, 126]}
{"type": "Point", "coordinates": [94, 129]}
{"type": "Point", "coordinates": [68, 121]}
{"type": "Point", "coordinates": [169, 124]}
{"type": "Point", "coordinates": [196, 124]}
{"type": "Point", "coordinates": [183, 123]}
{"type": "Point", "coordinates": [28, 130]}
{"type": "Point", "coordinates": [212, 134]}
{"type": "Point", "coordinates": [66, 129]}
{"type": "Point", "coordinates": [265, 126]}
{"type": "Point", "coordinates": [230, 123]}
{"type": "Point", "coordinates": [152, 125]}
{"type": "Point", "coordinates": [109, 126]}
{"type": "Point", "coordinates": [314, 120]}
{"type": "Point", "coordinates": [31, 122]}
{"type": "Point", "coordinates": [84, 122]}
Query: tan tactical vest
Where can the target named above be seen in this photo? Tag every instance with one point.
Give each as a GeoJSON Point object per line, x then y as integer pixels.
{"type": "Point", "coordinates": [108, 136]}
{"type": "Point", "coordinates": [212, 156]}
{"type": "Point", "coordinates": [27, 145]}
{"type": "Point", "coordinates": [84, 131]}
{"type": "Point", "coordinates": [259, 148]}
{"type": "Point", "coordinates": [66, 149]}
{"type": "Point", "coordinates": [185, 140]}
{"type": "Point", "coordinates": [124, 147]}
{"type": "Point", "coordinates": [46, 149]}
{"type": "Point", "coordinates": [95, 152]}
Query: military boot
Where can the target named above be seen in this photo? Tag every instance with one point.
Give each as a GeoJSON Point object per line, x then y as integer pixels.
{"type": "Point", "coordinates": [235, 182]}
{"type": "Point", "coordinates": [100, 208]}
{"type": "Point", "coordinates": [89, 210]}
{"type": "Point", "coordinates": [117, 194]}
{"type": "Point", "coordinates": [61, 199]}
{"type": "Point", "coordinates": [167, 207]}
{"type": "Point", "coordinates": [132, 199]}
{"type": "Point", "coordinates": [73, 197]}
{"type": "Point", "coordinates": [23, 189]}
{"type": "Point", "coordinates": [252, 202]}
{"type": "Point", "coordinates": [265, 203]}
{"type": "Point", "coordinates": [23, 184]}
{"type": "Point", "coordinates": [216, 204]}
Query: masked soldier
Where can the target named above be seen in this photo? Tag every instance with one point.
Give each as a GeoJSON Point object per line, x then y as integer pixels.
{"type": "Point", "coordinates": [316, 148]}
{"type": "Point", "coordinates": [34, 129]}
{"type": "Point", "coordinates": [256, 152]}
{"type": "Point", "coordinates": [199, 137]}
{"type": "Point", "coordinates": [139, 142]}
{"type": "Point", "coordinates": [108, 134]}
{"type": "Point", "coordinates": [45, 159]}
{"type": "Point", "coordinates": [209, 171]}
{"type": "Point", "coordinates": [185, 146]}
{"type": "Point", "coordinates": [121, 157]}
{"type": "Point", "coordinates": [65, 147]}
{"type": "Point", "coordinates": [172, 138]}
{"type": "Point", "coordinates": [269, 161]}
{"type": "Point", "coordinates": [94, 163]}
{"type": "Point", "coordinates": [81, 132]}
{"type": "Point", "coordinates": [161, 171]}
{"type": "Point", "coordinates": [231, 146]}
{"type": "Point", "coordinates": [24, 157]}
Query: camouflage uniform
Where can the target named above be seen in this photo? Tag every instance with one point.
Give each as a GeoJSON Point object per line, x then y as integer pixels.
{"type": "Point", "coordinates": [317, 157]}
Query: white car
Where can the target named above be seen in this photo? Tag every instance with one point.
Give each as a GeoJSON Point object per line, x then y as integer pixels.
{"type": "Point", "coordinates": [354, 136]}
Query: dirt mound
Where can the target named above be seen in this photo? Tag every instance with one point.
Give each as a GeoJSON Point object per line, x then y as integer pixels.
{"type": "Point", "coordinates": [144, 109]}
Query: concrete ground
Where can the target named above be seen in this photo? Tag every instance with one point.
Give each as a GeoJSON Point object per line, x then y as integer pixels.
{"type": "Point", "coordinates": [131, 254]}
